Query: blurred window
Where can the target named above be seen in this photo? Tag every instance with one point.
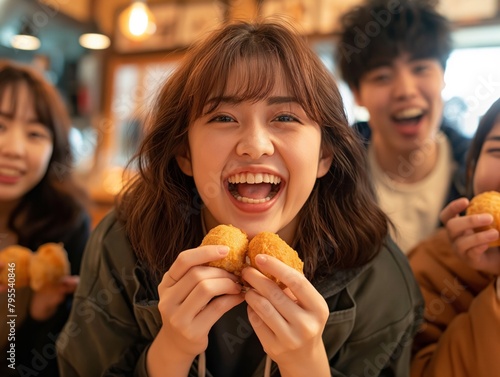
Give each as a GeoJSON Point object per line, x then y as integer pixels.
{"type": "Point", "coordinates": [472, 84]}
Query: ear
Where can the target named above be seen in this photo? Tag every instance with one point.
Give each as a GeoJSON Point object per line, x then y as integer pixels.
{"type": "Point", "coordinates": [184, 162]}
{"type": "Point", "coordinates": [325, 161]}
{"type": "Point", "coordinates": [357, 96]}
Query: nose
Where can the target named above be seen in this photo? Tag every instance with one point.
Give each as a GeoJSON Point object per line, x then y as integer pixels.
{"type": "Point", "coordinates": [405, 85]}
{"type": "Point", "coordinates": [255, 141]}
{"type": "Point", "coordinates": [12, 143]}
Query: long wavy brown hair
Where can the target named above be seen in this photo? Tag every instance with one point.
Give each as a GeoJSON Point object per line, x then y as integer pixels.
{"type": "Point", "coordinates": [341, 225]}
{"type": "Point", "coordinates": [57, 203]}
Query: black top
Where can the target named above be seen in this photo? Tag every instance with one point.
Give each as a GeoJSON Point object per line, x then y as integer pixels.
{"type": "Point", "coordinates": [233, 347]}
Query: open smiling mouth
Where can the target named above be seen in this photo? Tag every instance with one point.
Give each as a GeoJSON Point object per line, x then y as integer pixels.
{"type": "Point", "coordinates": [408, 117]}
{"type": "Point", "coordinates": [254, 188]}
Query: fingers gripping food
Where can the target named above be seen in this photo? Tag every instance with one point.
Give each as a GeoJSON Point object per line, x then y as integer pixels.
{"type": "Point", "coordinates": [487, 202]}
{"type": "Point", "coordinates": [237, 241]}
{"type": "Point", "coordinates": [48, 265]}
{"type": "Point", "coordinates": [16, 260]}
{"type": "Point", "coordinates": [271, 244]}
{"type": "Point", "coordinates": [263, 243]}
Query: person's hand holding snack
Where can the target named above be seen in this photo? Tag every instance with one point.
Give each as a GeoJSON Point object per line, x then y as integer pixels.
{"type": "Point", "coordinates": [473, 238]}
{"type": "Point", "coordinates": [46, 272]}
{"type": "Point", "coordinates": [45, 301]}
{"type": "Point", "coordinates": [288, 324]}
{"type": "Point", "coordinates": [285, 310]}
{"type": "Point", "coordinates": [193, 296]}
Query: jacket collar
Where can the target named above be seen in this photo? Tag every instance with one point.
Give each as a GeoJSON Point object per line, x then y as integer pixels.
{"type": "Point", "coordinates": [329, 287]}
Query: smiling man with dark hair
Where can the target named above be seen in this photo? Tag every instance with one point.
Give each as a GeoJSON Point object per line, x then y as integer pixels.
{"type": "Point", "coordinates": [393, 55]}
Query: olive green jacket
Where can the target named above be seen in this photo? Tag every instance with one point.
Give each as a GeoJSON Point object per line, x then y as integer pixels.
{"type": "Point", "coordinates": [375, 311]}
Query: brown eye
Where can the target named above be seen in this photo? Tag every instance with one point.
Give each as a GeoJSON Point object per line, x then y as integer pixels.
{"type": "Point", "coordinates": [285, 118]}
{"type": "Point", "coordinates": [39, 132]}
{"type": "Point", "coordinates": [222, 119]}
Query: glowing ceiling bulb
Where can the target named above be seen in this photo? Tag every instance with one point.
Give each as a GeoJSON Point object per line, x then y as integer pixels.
{"type": "Point", "coordinates": [137, 21]}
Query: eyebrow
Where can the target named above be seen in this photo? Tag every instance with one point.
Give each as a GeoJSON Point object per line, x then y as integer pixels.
{"type": "Point", "coordinates": [493, 138]}
{"type": "Point", "coordinates": [276, 100]}
{"type": "Point", "coordinates": [279, 100]}
{"type": "Point", "coordinates": [9, 116]}
{"type": "Point", "coordinates": [379, 63]}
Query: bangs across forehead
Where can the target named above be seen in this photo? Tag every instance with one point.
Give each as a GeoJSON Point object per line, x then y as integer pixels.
{"type": "Point", "coordinates": [17, 93]}
{"type": "Point", "coordinates": [248, 79]}
{"type": "Point", "coordinates": [10, 96]}
{"type": "Point", "coordinates": [254, 79]}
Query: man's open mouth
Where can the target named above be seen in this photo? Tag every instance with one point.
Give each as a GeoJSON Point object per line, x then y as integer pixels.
{"type": "Point", "coordinates": [408, 117]}
{"type": "Point", "coordinates": [254, 188]}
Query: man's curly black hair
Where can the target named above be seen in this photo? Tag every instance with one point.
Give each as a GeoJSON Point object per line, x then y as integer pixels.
{"type": "Point", "coordinates": [377, 31]}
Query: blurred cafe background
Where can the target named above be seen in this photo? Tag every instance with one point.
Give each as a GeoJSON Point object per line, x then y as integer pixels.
{"type": "Point", "coordinates": [108, 57]}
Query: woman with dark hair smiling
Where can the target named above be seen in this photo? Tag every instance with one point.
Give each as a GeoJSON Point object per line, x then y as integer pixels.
{"type": "Point", "coordinates": [39, 203]}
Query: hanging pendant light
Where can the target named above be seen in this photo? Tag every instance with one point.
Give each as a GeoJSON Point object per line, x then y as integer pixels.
{"type": "Point", "coordinates": [25, 39]}
{"type": "Point", "coordinates": [137, 22]}
{"type": "Point", "coordinates": [94, 39]}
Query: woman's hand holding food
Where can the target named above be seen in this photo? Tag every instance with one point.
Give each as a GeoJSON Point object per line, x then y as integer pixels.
{"type": "Point", "coordinates": [470, 245]}
{"type": "Point", "coordinates": [290, 322]}
{"type": "Point", "coordinates": [45, 271]}
{"type": "Point", "coordinates": [193, 297]}
{"type": "Point", "coordinates": [45, 301]}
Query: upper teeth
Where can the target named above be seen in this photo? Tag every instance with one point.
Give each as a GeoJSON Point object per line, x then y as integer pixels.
{"type": "Point", "coordinates": [8, 171]}
{"type": "Point", "coordinates": [254, 178]}
{"type": "Point", "coordinates": [409, 113]}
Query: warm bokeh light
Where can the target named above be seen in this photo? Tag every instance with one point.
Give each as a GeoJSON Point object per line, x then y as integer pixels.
{"type": "Point", "coordinates": [94, 41]}
{"type": "Point", "coordinates": [25, 42]}
{"type": "Point", "coordinates": [137, 22]}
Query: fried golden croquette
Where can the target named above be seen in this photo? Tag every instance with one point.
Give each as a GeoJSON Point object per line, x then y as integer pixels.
{"type": "Point", "coordinates": [237, 241]}
{"type": "Point", "coordinates": [487, 202]}
{"type": "Point", "coordinates": [21, 258]}
{"type": "Point", "coordinates": [271, 244]}
{"type": "Point", "coordinates": [48, 265]}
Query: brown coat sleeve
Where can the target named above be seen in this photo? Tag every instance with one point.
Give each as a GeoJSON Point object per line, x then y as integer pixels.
{"type": "Point", "coordinates": [461, 332]}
